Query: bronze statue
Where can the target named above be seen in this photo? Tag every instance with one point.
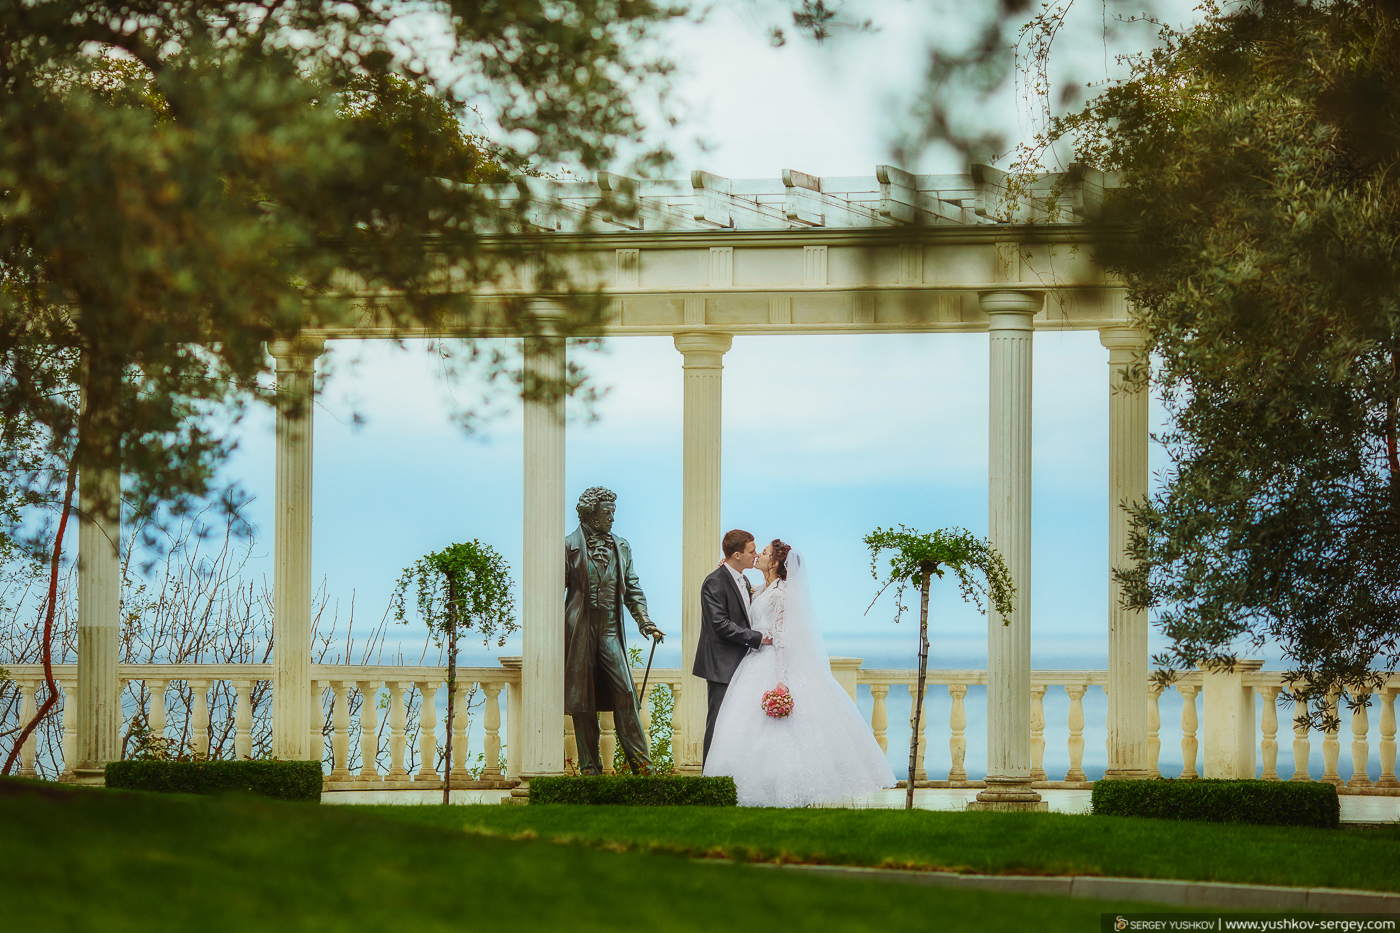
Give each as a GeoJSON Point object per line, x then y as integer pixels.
{"type": "Point", "coordinates": [598, 581]}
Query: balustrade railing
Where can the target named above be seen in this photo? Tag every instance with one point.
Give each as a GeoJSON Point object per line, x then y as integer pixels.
{"type": "Point", "coordinates": [382, 757]}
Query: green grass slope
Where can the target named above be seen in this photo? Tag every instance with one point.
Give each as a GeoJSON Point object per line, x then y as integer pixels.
{"type": "Point", "coordinates": [97, 861]}
{"type": "Point", "coordinates": [1016, 843]}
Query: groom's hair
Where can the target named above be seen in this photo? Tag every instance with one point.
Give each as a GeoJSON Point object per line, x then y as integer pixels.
{"type": "Point", "coordinates": [734, 542]}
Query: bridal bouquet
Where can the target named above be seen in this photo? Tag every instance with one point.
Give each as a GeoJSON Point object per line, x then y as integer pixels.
{"type": "Point", "coordinates": [777, 703]}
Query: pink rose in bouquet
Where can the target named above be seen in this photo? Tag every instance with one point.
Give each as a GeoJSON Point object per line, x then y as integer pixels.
{"type": "Point", "coordinates": [777, 703]}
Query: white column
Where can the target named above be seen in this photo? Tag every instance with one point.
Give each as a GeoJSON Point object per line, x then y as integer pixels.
{"type": "Point", "coordinates": [701, 531]}
{"type": "Point", "coordinates": [291, 582]}
{"type": "Point", "coordinates": [542, 578]}
{"type": "Point", "coordinates": [99, 702]}
{"type": "Point", "coordinates": [1009, 519]}
{"type": "Point", "coordinates": [1128, 714]}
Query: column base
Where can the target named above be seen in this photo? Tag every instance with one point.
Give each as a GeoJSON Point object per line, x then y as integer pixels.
{"type": "Point", "coordinates": [1130, 774]}
{"type": "Point", "coordinates": [1039, 806]}
{"type": "Point", "coordinates": [91, 777]}
{"type": "Point", "coordinates": [1007, 796]}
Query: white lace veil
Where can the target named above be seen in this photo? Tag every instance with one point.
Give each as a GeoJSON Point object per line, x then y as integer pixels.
{"type": "Point", "coordinates": [802, 635]}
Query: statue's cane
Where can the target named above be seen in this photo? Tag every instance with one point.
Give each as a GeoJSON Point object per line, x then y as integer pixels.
{"type": "Point", "coordinates": [647, 676]}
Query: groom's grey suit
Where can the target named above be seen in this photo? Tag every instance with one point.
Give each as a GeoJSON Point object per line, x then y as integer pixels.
{"type": "Point", "coordinates": [725, 637]}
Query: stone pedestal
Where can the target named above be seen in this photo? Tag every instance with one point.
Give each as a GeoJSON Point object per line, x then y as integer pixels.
{"type": "Point", "coordinates": [293, 719]}
{"type": "Point", "coordinates": [1129, 755]}
{"type": "Point", "coordinates": [1009, 520]}
{"type": "Point", "coordinates": [700, 517]}
{"type": "Point", "coordinates": [1229, 721]}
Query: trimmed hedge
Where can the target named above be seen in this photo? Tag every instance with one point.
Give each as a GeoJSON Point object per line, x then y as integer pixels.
{"type": "Point", "coordinates": [1265, 803]}
{"type": "Point", "coordinates": [637, 790]}
{"type": "Point", "coordinates": [284, 780]}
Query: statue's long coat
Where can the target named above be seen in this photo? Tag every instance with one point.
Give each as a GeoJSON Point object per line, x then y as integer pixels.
{"type": "Point", "coordinates": [581, 666]}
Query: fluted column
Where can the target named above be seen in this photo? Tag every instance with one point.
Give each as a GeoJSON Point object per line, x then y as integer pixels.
{"type": "Point", "coordinates": [99, 703]}
{"type": "Point", "coordinates": [1009, 519]}
{"type": "Point", "coordinates": [700, 514]}
{"type": "Point", "coordinates": [542, 578]}
{"type": "Point", "coordinates": [1128, 714]}
{"type": "Point", "coordinates": [291, 580]}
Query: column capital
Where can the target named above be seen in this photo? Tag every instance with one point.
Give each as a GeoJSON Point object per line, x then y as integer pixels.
{"type": "Point", "coordinates": [1010, 310]}
{"type": "Point", "coordinates": [1123, 343]}
{"type": "Point", "coordinates": [703, 349]}
{"type": "Point", "coordinates": [296, 354]}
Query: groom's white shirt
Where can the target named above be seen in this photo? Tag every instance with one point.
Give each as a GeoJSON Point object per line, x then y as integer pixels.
{"type": "Point", "coordinates": [742, 584]}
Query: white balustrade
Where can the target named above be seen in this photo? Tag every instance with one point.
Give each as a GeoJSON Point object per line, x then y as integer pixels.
{"type": "Point", "coordinates": [234, 688]}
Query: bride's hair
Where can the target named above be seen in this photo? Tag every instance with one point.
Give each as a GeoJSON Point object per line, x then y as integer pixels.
{"type": "Point", "coordinates": [780, 554]}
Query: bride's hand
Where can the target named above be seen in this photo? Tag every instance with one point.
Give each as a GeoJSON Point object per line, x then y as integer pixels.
{"type": "Point", "coordinates": [781, 685]}
{"type": "Point", "coordinates": [767, 639]}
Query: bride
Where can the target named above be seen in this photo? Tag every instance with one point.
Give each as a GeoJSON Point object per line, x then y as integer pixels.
{"type": "Point", "coordinates": [823, 752]}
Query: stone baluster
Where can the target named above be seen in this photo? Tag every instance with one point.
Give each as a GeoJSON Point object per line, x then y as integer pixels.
{"type": "Point", "coordinates": [1038, 732]}
{"type": "Point", "coordinates": [459, 734]}
{"type": "Point", "coordinates": [199, 716]}
{"type": "Point", "coordinates": [571, 765]}
{"type": "Point", "coordinates": [70, 725]}
{"type": "Point", "coordinates": [1331, 748]}
{"type": "Point", "coordinates": [491, 721]}
{"type": "Point", "coordinates": [1387, 746]}
{"type": "Point", "coordinates": [427, 731]}
{"type": "Point", "coordinates": [155, 719]}
{"type": "Point", "coordinates": [879, 715]}
{"type": "Point", "coordinates": [607, 742]}
{"type": "Point", "coordinates": [242, 719]}
{"type": "Point", "coordinates": [920, 773]}
{"type": "Point", "coordinates": [28, 691]}
{"type": "Point", "coordinates": [369, 731]}
{"type": "Point", "coordinates": [1189, 724]}
{"type": "Point", "coordinates": [398, 725]}
{"type": "Point", "coordinates": [1154, 729]}
{"type": "Point", "coordinates": [1302, 748]}
{"type": "Point", "coordinates": [957, 742]}
{"type": "Point", "coordinates": [1268, 746]}
{"type": "Point", "coordinates": [1076, 733]}
{"type": "Point", "coordinates": [1360, 747]}
{"type": "Point", "coordinates": [340, 736]}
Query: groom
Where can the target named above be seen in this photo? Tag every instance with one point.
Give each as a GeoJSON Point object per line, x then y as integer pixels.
{"type": "Point", "coordinates": [725, 635]}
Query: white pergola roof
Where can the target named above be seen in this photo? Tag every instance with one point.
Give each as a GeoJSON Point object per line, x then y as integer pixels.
{"type": "Point", "coordinates": [890, 252]}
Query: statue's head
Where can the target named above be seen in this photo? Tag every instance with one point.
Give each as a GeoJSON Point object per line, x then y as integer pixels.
{"type": "Point", "coordinates": [596, 507]}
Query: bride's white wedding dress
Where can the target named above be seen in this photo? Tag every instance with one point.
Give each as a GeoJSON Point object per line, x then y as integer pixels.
{"type": "Point", "coordinates": [824, 752]}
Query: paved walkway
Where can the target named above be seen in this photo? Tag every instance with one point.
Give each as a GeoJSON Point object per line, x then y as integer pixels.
{"type": "Point", "coordinates": [1145, 890]}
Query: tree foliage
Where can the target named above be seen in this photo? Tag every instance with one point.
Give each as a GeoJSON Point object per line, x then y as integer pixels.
{"type": "Point", "coordinates": [981, 572]}
{"type": "Point", "coordinates": [1258, 154]}
{"type": "Point", "coordinates": [463, 586]}
{"type": "Point", "coordinates": [916, 560]}
{"type": "Point", "coordinates": [181, 182]}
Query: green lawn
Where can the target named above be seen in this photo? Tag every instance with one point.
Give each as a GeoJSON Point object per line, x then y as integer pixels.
{"type": "Point", "coordinates": [98, 861]}
{"type": "Point", "coordinates": [1018, 843]}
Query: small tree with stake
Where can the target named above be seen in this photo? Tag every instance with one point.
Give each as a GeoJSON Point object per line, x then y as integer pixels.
{"type": "Point", "coordinates": [916, 560]}
{"type": "Point", "coordinates": [460, 588]}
